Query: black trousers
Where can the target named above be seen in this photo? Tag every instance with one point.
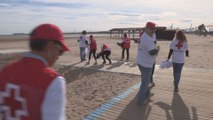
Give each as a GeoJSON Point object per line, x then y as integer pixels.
{"type": "Point", "coordinates": [153, 70]}
{"type": "Point", "coordinates": [127, 53]}
{"type": "Point", "coordinates": [105, 55]}
{"type": "Point", "coordinates": [92, 52]}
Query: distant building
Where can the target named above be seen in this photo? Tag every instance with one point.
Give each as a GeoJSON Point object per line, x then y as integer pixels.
{"type": "Point", "coordinates": [133, 33]}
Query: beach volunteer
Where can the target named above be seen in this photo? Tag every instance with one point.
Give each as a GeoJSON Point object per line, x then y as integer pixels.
{"type": "Point", "coordinates": [147, 52]}
{"type": "Point", "coordinates": [29, 88]}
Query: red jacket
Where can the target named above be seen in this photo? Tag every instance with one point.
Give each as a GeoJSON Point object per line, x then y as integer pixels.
{"type": "Point", "coordinates": [126, 42]}
{"type": "Point", "coordinates": [93, 44]}
{"type": "Point", "coordinates": [23, 85]}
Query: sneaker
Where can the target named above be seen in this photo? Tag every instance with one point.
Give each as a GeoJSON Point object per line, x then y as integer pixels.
{"type": "Point", "coordinates": [176, 89]}
{"type": "Point", "coordinates": [151, 85]}
{"type": "Point", "coordinates": [143, 104]}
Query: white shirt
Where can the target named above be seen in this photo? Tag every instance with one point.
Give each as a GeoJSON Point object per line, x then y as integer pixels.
{"type": "Point", "coordinates": [154, 37]}
{"type": "Point", "coordinates": [53, 107]}
{"type": "Point", "coordinates": [146, 44]}
{"type": "Point", "coordinates": [82, 41]}
{"type": "Point", "coordinates": [179, 50]}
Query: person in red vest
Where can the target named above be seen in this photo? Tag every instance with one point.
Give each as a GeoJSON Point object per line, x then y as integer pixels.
{"type": "Point", "coordinates": [105, 53]}
{"type": "Point", "coordinates": [29, 88]}
{"type": "Point", "coordinates": [93, 48]}
{"type": "Point", "coordinates": [125, 46]}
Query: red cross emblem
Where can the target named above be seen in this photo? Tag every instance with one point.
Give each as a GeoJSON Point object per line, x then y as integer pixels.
{"type": "Point", "coordinates": [11, 97]}
{"type": "Point", "coordinates": [179, 45]}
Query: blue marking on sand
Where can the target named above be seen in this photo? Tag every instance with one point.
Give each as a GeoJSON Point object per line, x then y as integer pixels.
{"type": "Point", "coordinates": [106, 106]}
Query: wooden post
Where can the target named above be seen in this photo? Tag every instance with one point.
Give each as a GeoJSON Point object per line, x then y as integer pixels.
{"type": "Point", "coordinates": [129, 33]}
{"type": "Point", "coordinates": [133, 31]}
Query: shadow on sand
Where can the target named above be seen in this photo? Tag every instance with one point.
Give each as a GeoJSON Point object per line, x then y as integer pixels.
{"type": "Point", "coordinates": [176, 111]}
{"type": "Point", "coordinates": [115, 65]}
{"type": "Point", "coordinates": [134, 112]}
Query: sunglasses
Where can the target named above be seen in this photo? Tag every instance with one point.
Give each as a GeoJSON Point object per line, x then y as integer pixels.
{"type": "Point", "coordinates": [152, 28]}
{"type": "Point", "coordinates": [61, 51]}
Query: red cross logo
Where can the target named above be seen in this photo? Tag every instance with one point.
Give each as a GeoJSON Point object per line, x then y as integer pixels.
{"type": "Point", "coordinates": [179, 45]}
{"type": "Point", "coordinates": [11, 97]}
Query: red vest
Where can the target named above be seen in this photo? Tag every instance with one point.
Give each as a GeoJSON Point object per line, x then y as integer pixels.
{"type": "Point", "coordinates": [126, 42]}
{"type": "Point", "coordinates": [93, 44]}
{"type": "Point", "coordinates": [23, 85]}
{"type": "Point", "coordinates": [105, 47]}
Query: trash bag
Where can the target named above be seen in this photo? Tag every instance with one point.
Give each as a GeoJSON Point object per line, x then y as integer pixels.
{"type": "Point", "coordinates": [165, 64]}
{"type": "Point", "coordinates": [120, 44]}
{"type": "Point", "coordinates": [86, 51]}
{"type": "Point", "coordinates": [99, 55]}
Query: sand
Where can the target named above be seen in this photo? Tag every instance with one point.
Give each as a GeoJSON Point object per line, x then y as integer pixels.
{"type": "Point", "coordinates": [88, 89]}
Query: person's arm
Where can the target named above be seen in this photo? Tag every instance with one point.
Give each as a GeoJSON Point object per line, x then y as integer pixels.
{"type": "Point", "coordinates": [53, 107]}
{"type": "Point", "coordinates": [187, 49]}
{"type": "Point", "coordinates": [80, 37]}
{"type": "Point", "coordinates": [170, 53]}
{"type": "Point", "coordinates": [122, 42]}
{"type": "Point", "coordinates": [154, 52]}
{"type": "Point", "coordinates": [150, 46]}
{"type": "Point", "coordinates": [86, 42]}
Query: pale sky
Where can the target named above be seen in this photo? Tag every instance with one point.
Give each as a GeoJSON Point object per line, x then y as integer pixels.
{"type": "Point", "coordinates": [21, 16]}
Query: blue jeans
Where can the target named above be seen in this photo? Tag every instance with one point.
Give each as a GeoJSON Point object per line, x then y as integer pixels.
{"type": "Point", "coordinates": [144, 92]}
{"type": "Point", "coordinates": [82, 56]}
{"type": "Point", "coordinates": [177, 68]}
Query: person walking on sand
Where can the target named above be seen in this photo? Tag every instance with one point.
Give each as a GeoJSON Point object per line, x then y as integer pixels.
{"type": "Point", "coordinates": [147, 52]}
{"type": "Point", "coordinates": [125, 47]}
{"type": "Point", "coordinates": [92, 48]}
{"type": "Point", "coordinates": [105, 53]}
{"type": "Point", "coordinates": [178, 51]}
{"type": "Point", "coordinates": [152, 84]}
{"type": "Point", "coordinates": [29, 88]}
{"type": "Point", "coordinates": [82, 45]}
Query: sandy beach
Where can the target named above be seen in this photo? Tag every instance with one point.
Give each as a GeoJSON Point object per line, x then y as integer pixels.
{"type": "Point", "coordinates": [88, 89]}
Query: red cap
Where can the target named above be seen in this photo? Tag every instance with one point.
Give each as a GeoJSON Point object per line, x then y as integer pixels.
{"type": "Point", "coordinates": [49, 32]}
{"type": "Point", "coordinates": [150, 25]}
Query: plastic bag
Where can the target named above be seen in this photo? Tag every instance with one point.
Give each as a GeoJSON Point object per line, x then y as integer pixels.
{"type": "Point", "coordinates": [165, 64]}
{"type": "Point", "coordinates": [86, 51]}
